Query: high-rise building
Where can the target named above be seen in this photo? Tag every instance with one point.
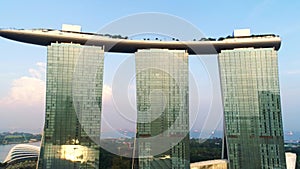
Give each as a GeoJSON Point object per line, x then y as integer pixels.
{"type": "Point", "coordinates": [252, 111]}
{"type": "Point", "coordinates": [162, 105]}
{"type": "Point", "coordinates": [73, 107]}
{"type": "Point", "coordinates": [250, 90]}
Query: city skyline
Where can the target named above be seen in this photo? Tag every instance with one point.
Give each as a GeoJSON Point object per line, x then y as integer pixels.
{"type": "Point", "coordinates": [15, 78]}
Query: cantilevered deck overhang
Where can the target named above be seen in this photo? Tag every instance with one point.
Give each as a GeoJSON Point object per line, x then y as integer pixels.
{"type": "Point", "coordinates": [45, 37]}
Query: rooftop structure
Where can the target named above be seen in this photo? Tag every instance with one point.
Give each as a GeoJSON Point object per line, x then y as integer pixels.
{"type": "Point", "coordinates": [241, 33]}
{"type": "Point", "coordinates": [117, 43]}
{"type": "Point", "coordinates": [71, 28]}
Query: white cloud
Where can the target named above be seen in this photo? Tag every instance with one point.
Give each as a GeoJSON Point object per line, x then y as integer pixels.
{"type": "Point", "coordinates": [41, 65]}
{"type": "Point", "coordinates": [27, 90]}
{"type": "Point", "coordinates": [35, 73]}
{"type": "Point", "coordinates": [23, 106]}
{"type": "Point", "coordinates": [107, 93]}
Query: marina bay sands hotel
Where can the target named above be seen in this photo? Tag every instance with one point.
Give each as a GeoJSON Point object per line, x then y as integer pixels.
{"type": "Point", "coordinates": [248, 70]}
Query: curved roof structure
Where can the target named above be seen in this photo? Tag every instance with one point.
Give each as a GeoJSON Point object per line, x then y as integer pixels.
{"type": "Point", "coordinates": [218, 163]}
{"type": "Point", "coordinates": [22, 152]}
{"type": "Point", "coordinates": [45, 37]}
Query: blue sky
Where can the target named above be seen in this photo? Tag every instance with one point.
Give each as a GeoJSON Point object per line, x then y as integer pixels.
{"type": "Point", "coordinates": [22, 65]}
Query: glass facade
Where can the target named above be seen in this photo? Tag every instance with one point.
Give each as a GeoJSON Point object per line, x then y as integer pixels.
{"type": "Point", "coordinates": [73, 107]}
{"type": "Point", "coordinates": [252, 111]}
{"type": "Point", "coordinates": [162, 105]}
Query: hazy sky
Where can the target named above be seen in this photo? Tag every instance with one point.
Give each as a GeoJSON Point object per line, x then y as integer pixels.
{"type": "Point", "coordinates": [22, 66]}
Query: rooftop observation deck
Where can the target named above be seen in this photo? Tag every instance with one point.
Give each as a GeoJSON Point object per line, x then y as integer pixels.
{"type": "Point", "coordinates": [121, 44]}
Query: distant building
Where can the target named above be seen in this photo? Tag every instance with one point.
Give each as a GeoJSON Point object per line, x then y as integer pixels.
{"type": "Point", "coordinates": [162, 105]}
{"type": "Point", "coordinates": [73, 107]}
{"type": "Point", "coordinates": [210, 164]}
{"type": "Point", "coordinates": [291, 159]}
{"type": "Point", "coordinates": [252, 109]}
{"type": "Point", "coordinates": [22, 152]}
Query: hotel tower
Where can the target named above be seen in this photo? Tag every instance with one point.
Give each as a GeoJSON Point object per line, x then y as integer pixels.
{"type": "Point", "coordinates": [253, 131]}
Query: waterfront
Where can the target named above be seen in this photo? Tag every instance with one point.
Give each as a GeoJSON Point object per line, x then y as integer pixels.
{"type": "Point", "coordinates": [4, 149]}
